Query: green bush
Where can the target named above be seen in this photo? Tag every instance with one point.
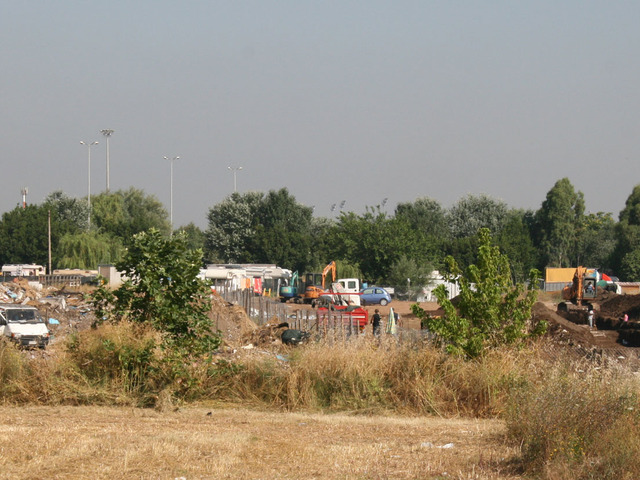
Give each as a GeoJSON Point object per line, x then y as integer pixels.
{"type": "Point", "coordinates": [490, 312]}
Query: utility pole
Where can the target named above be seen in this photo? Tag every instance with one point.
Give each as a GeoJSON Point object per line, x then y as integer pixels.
{"type": "Point", "coordinates": [107, 133]}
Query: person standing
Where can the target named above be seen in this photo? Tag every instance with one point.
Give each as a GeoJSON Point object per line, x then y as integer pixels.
{"type": "Point", "coordinates": [375, 321]}
{"type": "Point", "coordinates": [590, 318]}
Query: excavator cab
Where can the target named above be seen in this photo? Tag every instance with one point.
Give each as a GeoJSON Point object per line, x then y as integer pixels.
{"type": "Point", "coordinates": [589, 287]}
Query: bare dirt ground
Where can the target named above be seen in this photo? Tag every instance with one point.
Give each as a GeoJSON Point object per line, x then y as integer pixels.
{"type": "Point", "coordinates": [229, 443]}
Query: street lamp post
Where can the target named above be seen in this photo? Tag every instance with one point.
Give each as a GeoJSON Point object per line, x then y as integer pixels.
{"type": "Point", "coordinates": [171, 192]}
{"type": "Point", "coordinates": [235, 171]}
{"type": "Point", "coordinates": [89, 145]}
{"type": "Point", "coordinates": [107, 133]}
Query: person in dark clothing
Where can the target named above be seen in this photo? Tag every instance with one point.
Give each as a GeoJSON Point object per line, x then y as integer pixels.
{"type": "Point", "coordinates": [375, 321]}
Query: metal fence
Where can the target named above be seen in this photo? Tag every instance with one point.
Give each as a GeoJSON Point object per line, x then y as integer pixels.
{"type": "Point", "coordinates": [263, 310]}
{"type": "Point", "coordinates": [52, 280]}
{"type": "Point", "coordinates": [330, 325]}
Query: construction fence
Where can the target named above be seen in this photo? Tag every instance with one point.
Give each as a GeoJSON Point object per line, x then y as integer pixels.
{"type": "Point", "coordinates": [333, 325]}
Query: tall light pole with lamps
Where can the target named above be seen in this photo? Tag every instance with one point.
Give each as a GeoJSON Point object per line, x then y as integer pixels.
{"type": "Point", "coordinates": [171, 192]}
{"type": "Point", "coordinates": [107, 133]}
{"type": "Point", "coordinates": [235, 171]}
{"type": "Point", "coordinates": [89, 145]}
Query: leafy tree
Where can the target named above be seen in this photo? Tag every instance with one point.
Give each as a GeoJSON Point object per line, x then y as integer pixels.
{"type": "Point", "coordinates": [463, 250]}
{"type": "Point", "coordinates": [127, 212]}
{"type": "Point", "coordinates": [474, 212]}
{"type": "Point", "coordinates": [406, 274]}
{"type": "Point", "coordinates": [630, 265]}
{"type": "Point", "coordinates": [231, 228]}
{"type": "Point", "coordinates": [195, 236]}
{"type": "Point", "coordinates": [516, 242]}
{"type": "Point", "coordinates": [320, 231]}
{"type": "Point", "coordinates": [87, 250]}
{"type": "Point", "coordinates": [559, 223]}
{"type": "Point", "coordinates": [428, 219]}
{"type": "Point", "coordinates": [597, 240]}
{"type": "Point", "coordinates": [347, 269]}
{"type": "Point", "coordinates": [24, 235]}
{"type": "Point", "coordinates": [374, 242]}
{"type": "Point", "coordinates": [626, 254]}
{"type": "Point", "coordinates": [271, 228]}
{"type": "Point", "coordinates": [425, 215]}
{"type": "Point", "coordinates": [72, 212]}
{"type": "Point", "coordinates": [282, 231]}
{"type": "Point", "coordinates": [162, 289]}
{"type": "Point", "coordinates": [490, 310]}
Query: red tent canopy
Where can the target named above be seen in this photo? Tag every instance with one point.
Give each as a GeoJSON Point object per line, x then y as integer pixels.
{"type": "Point", "coordinates": [606, 277]}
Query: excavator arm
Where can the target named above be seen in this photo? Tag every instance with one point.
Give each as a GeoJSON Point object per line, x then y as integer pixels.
{"type": "Point", "coordinates": [329, 268]}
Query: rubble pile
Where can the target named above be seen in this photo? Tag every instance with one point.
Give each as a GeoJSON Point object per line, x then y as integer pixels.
{"type": "Point", "coordinates": [231, 320]}
{"type": "Point", "coordinates": [238, 330]}
{"type": "Point", "coordinates": [70, 311]}
{"type": "Point", "coordinates": [64, 311]}
{"type": "Point", "coordinates": [268, 334]}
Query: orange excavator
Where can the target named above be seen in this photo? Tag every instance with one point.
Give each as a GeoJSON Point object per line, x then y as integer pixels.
{"type": "Point", "coordinates": [312, 293]}
{"type": "Point", "coordinates": [580, 294]}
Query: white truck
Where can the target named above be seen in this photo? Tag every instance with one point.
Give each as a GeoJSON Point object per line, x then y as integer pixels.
{"type": "Point", "coordinates": [23, 325]}
{"type": "Point", "coordinates": [344, 291]}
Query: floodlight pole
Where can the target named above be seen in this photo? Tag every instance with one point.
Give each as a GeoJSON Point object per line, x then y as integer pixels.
{"type": "Point", "coordinates": [171, 192]}
{"type": "Point", "coordinates": [107, 133]}
{"type": "Point", "coordinates": [89, 145]}
{"type": "Point", "coordinates": [235, 171]}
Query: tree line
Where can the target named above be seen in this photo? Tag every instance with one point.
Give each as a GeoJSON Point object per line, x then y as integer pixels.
{"type": "Point", "coordinates": [392, 248]}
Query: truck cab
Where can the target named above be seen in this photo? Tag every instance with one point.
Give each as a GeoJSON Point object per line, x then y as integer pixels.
{"type": "Point", "coordinates": [23, 325]}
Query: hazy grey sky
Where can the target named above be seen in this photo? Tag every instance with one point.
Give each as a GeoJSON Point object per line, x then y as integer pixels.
{"type": "Point", "coordinates": [335, 100]}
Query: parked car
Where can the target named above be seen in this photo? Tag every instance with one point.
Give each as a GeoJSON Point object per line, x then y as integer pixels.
{"type": "Point", "coordinates": [374, 296]}
{"type": "Point", "coordinates": [23, 325]}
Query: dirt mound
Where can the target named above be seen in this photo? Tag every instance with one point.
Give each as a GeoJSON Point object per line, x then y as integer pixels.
{"type": "Point", "coordinates": [608, 340]}
{"type": "Point", "coordinates": [615, 306]}
{"type": "Point", "coordinates": [230, 319]}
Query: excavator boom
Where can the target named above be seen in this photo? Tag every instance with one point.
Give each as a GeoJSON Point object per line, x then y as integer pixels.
{"type": "Point", "coordinates": [329, 268]}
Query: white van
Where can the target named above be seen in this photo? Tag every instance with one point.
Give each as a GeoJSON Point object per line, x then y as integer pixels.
{"type": "Point", "coordinates": [24, 325]}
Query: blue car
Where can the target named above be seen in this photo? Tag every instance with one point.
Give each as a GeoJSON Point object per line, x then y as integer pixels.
{"type": "Point", "coordinates": [374, 296]}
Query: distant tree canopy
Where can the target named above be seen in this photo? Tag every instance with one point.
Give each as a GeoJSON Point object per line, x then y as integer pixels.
{"type": "Point", "coordinates": [558, 224]}
{"type": "Point", "coordinates": [87, 250]}
{"type": "Point", "coordinates": [257, 228]}
{"type": "Point", "coordinates": [115, 218]}
{"type": "Point", "coordinates": [273, 227]}
{"type": "Point", "coordinates": [626, 253]}
{"type": "Point", "coordinates": [473, 212]}
{"type": "Point", "coordinates": [127, 212]}
{"type": "Point", "coordinates": [24, 235]}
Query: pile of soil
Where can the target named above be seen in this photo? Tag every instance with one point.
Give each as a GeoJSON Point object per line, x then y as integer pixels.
{"type": "Point", "coordinates": [613, 306]}
{"type": "Point", "coordinates": [231, 320]}
{"type": "Point", "coordinates": [612, 336]}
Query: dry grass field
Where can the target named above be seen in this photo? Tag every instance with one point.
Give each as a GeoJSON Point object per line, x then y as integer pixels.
{"type": "Point", "coordinates": [229, 443]}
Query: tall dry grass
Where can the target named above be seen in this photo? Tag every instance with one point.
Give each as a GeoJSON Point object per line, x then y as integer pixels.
{"type": "Point", "coordinates": [570, 419]}
{"type": "Point", "coordinates": [365, 375]}
{"type": "Point", "coordinates": [578, 421]}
